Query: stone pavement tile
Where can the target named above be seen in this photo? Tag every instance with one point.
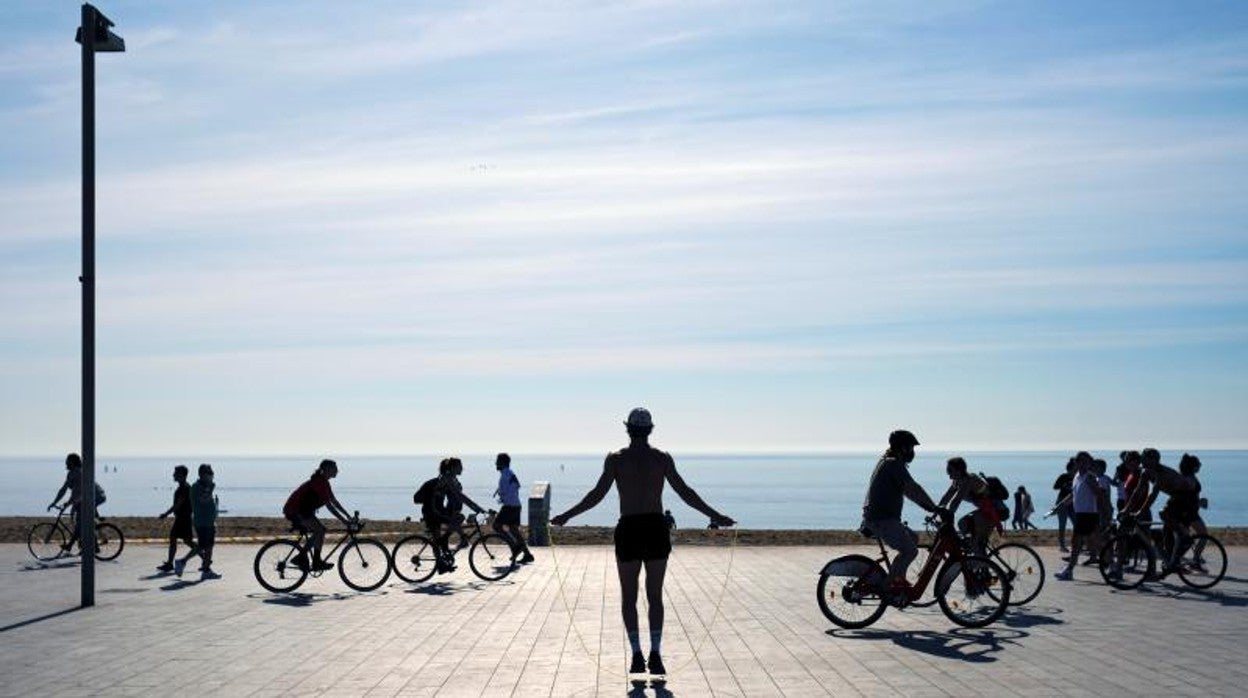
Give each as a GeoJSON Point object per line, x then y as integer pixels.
{"type": "Point", "coordinates": [537, 634]}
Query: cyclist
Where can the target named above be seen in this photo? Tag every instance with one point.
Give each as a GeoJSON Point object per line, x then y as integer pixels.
{"type": "Point", "coordinates": [300, 510]}
{"type": "Point", "coordinates": [1182, 511]}
{"type": "Point", "coordinates": [72, 485]}
{"type": "Point", "coordinates": [182, 529]}
{"type": "Point", "coordinates": [966, 486]}
{"type": "Point", "coordinates": [1136, 489]}
{"type": "Point", "coordinates": [441, 499]}
{"type": "Point", "coordinates": [891, 483]}
{"type": "Point", "coordinates": [641, 536]}
{"type": "Point", "coordinates": [507, 523]}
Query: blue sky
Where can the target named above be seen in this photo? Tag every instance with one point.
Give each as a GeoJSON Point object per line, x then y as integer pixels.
{"type": "Point", "coordinates": [412, 227]}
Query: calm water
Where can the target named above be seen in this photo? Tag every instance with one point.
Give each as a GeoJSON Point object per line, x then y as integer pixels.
{"type": "Point", "coordinates": [760, 491]}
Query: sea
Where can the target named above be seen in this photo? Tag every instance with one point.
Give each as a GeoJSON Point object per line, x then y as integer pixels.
{"type": "Point", "coordinates": [761, 491]}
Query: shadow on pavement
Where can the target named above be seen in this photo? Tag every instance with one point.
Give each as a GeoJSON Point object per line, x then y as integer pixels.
{"type": "Point", "coordinates": [1031, 616]}
{"type": "Point", "coordinates": [300, 599]}
{"type": "Point", "coordinates": [32, 621]}
{"type": "Point", "coordinates": [51, 565]}
{"type": "Point", "coordinates": [974, 645]}
{"type": "Point", "coordinates": [638, 689]}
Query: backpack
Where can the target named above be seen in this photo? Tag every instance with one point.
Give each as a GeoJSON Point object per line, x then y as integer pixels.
{"type": "Point", "coordinates": [424, 495]}
{"type": "Point", "coordinates": [997, 490]}
{"type": "Point", "coordinates": [100, 497]}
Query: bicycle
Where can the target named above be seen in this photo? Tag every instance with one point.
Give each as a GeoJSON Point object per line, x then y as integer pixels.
{"type": "Point", "coordinates": [1024, 569]}
{"type": "Point", "coordinates": [490, 555]}
{"type": "Point", "coordinates": [972, 591]}
{"type": "Point", "coordinates": [1129, 557]}
{"type": "Point", "coordinates": [363, 564]}
{"type": "Point", "coordinates": [47, 541]}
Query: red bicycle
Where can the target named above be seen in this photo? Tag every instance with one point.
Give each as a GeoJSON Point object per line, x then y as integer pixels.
{"type": "Point", "coordinates": [972, 591]}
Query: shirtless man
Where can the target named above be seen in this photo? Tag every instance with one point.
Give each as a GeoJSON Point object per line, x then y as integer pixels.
{"type": "Point", "coordinates": [641, 536]}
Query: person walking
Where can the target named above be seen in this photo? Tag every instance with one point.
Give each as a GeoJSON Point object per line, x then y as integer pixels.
{"type": "Point", "coordinates": [507, 521]}
{"type": "Point", "coordinates": [641, 536]}
{"type": "Point", "coordinates": [182, 529]}
{"type": "Point", "coordinates": [204, 516]}
{"type": "Point", "coordinates": [1085, 494]}
{"type": "Point", "coordinates": [1063, 506]}
{"type": "Point", "coordinates": [1028, 508]}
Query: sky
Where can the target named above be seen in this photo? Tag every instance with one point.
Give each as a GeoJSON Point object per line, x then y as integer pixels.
{"type": "Point", "coordinates": [397, 227]}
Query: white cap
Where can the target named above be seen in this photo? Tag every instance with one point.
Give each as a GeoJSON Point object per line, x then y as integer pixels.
{"type": "Point", "coordinates": [639, 417]}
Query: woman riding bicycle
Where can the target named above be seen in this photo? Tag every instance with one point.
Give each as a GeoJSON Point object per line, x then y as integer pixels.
{"type": "Point", "coordinates": [300, 510]}
{"type": "Point", "coordinates": [441, 499]}
{"type": "Point", "coordinates": [966, 486]}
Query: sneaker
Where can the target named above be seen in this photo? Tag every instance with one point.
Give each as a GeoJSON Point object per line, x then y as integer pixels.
{"type": "Point", "coordinates": [178, 566]}
{"type": "Point", "coordinates": [300, 561]}
{"type": "Point", "coordinates": [1064, 548]}
{"type": "Point", "coordinates": [1065, 575]}
{"type": "Point", "coordinates": [165, 567]}
{"type": "Point", "coordinates": [638, 665]}
{"type": "Point", "coordinates": [1091, 561]}
{"type": "Point", "coordinates": [656, 665]}
{"type": "Point", "coordinates": [1065, 558]}
{"type": "Point", "coordinates": [526, 558]}
{"type": "Point", "coordinates": [321, 565]}
{"type": "Point", "coordinates": [209, 574]}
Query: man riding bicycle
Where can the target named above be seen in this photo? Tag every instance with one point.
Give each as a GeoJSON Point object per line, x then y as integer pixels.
{"type": "Point", "coordinates": [441, 499]}
{"type": "Point", "coordinates": [73, 485]}
{"type": "Point", "coordinates": [301, 508]}
{"type": "Point", "coordinates": [891, 484]}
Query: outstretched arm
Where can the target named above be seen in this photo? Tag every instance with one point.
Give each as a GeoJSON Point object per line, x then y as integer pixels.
{"type": "Point", "coordinates": [471, 504]}
{"type": "Point", "coordinates": [692, 499]}
{"type": "Point", "coordinates": [915, 492]}
{"type": "Point", "coordinates": [592, 497]}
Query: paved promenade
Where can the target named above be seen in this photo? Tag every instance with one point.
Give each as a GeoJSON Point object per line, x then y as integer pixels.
{"type": "Point", "coordinates": [158, 635]}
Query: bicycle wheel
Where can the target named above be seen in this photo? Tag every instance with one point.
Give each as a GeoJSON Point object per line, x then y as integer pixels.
{"type": "Point", "coordinates": [912, 575]}
{"type": "Point", "coordinates": [109, 541]}
{"type": "Point", "coordinates": [1126, 561]}
{"type": "Point", "coordinates": [973, 591]}
{"type": "Point", "coordinates": [1025, 570]}
{"type": "Point", "coordinates": [364, 564]}
{"type": "Point", "coordinates": [275, 568]}
{"type": "Point", "coordinates": [414, 559]}
{"type": "Point", "coordinates": [45, 541]}
{"type": "Point", "coordinates": [849, 591]}
{"type": "Point", "coordinates": [1204, 563]}
{"type": "Point", "coordinates": [491, 558]}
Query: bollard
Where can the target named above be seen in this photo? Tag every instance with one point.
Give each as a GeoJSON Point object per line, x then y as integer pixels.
{"type": "Point", "coordinates": [539, 514]}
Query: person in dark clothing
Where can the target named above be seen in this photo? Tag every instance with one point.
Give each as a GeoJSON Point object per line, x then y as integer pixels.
{"type": "Point", "coordinates": [182, 529]}
{"type": "Point", "coordinates": [641, 536]}
{"type": "Point", "coordinates": [301, 507]}
{"type": "Point", "coordinates": [1063, 507]}
{"type": "Point", "coordinates": [72, 485]}
{"type": "Point", "coordinates": [441, 499]}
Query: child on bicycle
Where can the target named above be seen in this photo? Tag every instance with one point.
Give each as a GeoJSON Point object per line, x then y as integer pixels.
{"type": "Point", "coordinates": [300, 510]}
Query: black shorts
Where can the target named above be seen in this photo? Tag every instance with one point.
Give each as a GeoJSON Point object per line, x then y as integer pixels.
{"type": "Point", "coordinates": [1087, 524]}
{"type": "Point", "coordinates": [508, 516]}
{"type": "Point", "coordinates": [642, 537]}
{"type": "Point", "coordinates": [182, 531]}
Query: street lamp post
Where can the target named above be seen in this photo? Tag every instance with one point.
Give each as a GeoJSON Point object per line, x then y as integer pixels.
{"type": "Point", "coordinates": [94, 35]}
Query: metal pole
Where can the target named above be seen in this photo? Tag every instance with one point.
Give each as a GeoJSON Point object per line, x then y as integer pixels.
{"type": "Point", "coordinates": [86, 511]}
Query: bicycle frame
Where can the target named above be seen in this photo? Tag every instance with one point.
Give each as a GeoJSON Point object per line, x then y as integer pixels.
{"type": "Point", "coordinates": [945, 546]}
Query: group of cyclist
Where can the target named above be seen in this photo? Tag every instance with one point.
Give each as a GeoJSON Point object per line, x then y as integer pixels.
{"type": "Point", "coordinates": [1092, 500]}
{"type": "Point", "coordinates": [441, 500]}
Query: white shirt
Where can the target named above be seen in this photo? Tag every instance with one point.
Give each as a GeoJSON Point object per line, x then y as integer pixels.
{"type": "Point", "coordinates": [1083, 493]}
